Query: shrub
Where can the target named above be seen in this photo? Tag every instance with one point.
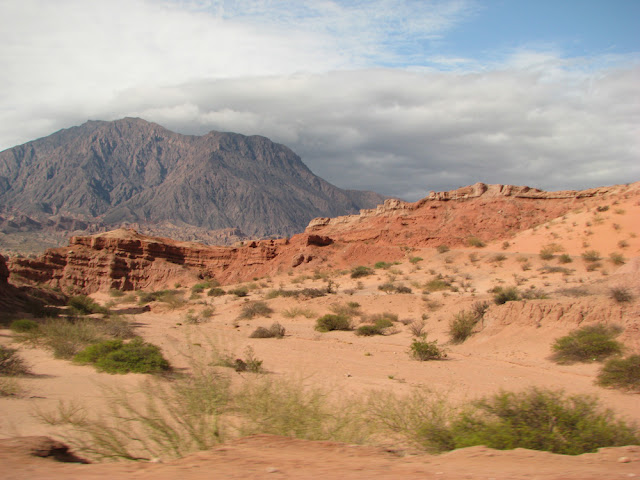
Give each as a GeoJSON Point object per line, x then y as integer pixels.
{"type": "Point", "coordinates": [274, 331]}
{"type": "Point", "coordinates": [504, 295]}
{"type": "Point", "coordinates": [10, 363]}
{"type": "Point", "coordinates": [417, 328]}
{"type": "Point", "coordinates": [565, 258]}
{"type": "Point", "coordinates": [24, 325]}
{"type": "Point", "coordinates": [479, 309]}
{"type": "Point", "coordinates": [436, 284]}
{"type": "Point", "coordinates": [403, 289]}
{"type": "Point", "coordinates": [330, 322]}
{"type": "Point", "coordinates": [591, 256]}
{"type": "Point", "coordinates": [422, 350]}
{"type": "Point", "coordinates": [381, 323]}
{"type": "Point", "coordinates": [84, 305]}
{"type": "Point", "coordinates": [546, 252]}
{"type": "Point", "coordinates": [622, 373]}
{"type": "Point", "coordinates": [255, 309]}
{"type": "Point", "coordinates": [348, 309]}
{"type": "Point", "coordinates": [173, 298]}
{"type": "Point", "coordinates": [442, 248]}
{"type": "Point", "coordinates": [475, 242]}
{"type": "Point", "coordinates": [540, 419]}
{"type": "Point", "coordinates": [462, 325]}
{"type": "Point", "coordinates": [298, 311]}
{"type": "Point", "coordinates": [115, 293]}
{"type": "Point", "coordinates": [590, 343]}
{"type": "Point", "coordinates": [387, 287]}
{"type": "Point", "coordinates": [383, 265]}
{"type": "Point", "coordinates": [239, 291]}
{"type": "Point", "coordinates": [499, 257]}
{"type": "Point", "coordinates": [415, 260]}
{"type": "Point", "coordinates": [621, 294]}
{"type": "Point", "coordinates": [115, 356]}
{"type": "Point", "coordinates": [361, 271]}
{"type": "Point", "coordinates": [216, 292]}
{"type": "Point", "coordinates": [617, 258]}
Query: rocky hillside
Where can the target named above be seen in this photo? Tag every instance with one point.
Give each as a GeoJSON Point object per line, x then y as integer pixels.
{"type": "Point", "coordinates": [102, 175]}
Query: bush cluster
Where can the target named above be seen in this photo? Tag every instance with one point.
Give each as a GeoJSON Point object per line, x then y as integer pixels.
{"type": "Point", "coordinates": [423, 350]}
{"type": "Point", "coordinates": [330, 321]}
{"type": "Point", "coordinates": [590, 343]}
{"type": "Point", "coordinates": [115, 356]}
{"type": "Point", "coordinates": [274, 331]}
{"type": "Point", "coordinates": [622, 373]}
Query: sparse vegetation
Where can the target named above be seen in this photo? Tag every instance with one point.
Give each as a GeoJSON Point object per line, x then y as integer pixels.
{"type": "Point", "coordinates": [436, 284]}
{"type": "Point", "coordinates": [591, 256]}
{"type": "Point", "coordinates": [617, 258]}
{"type": "Point", "coordinates": [415, 260]}
{"type": "Point", "coordinates": [254, 309]}
{"type": "Point", "coordinates": [547, 252]}
{"type": "Point", "coordinates": [24, 325]}
{"type": "Point", "coordinates": [621, 294]}
{"type": "Point", "coordinates": [11, 364]}
{"type": "Point", "coordinates": [383, 265]}
{"type": "Point", "coordinates": [84, 305]}
{"type": "Point", "coordinates": [66, 337]}
{"type": "Point", "coordinates": [274, 331]}
{"type": "Point", "coordinates": [504, 295]}
{"type": "Point", "coordinates": [589, 343]}
{"type": "Point", "coordinates": [442, 248]}
{"type": "Point", "coordinates": [462, 325]}
{"type": "Point", "coordinates": [239, 291]}
{"type": "Point", "coordinates": [565, 258]}
{"type": "Point", "coordinates": [621, 373]}
{"type": "Point", "coordinates": [173, 298]}
{"type": "Point", "coordinates": [361, 271]}
{"type": "Point", "coordinates": [297, 312]}
{"type": "Point", "coordinates": [475, 242]}
{"type": "Point", "coordinates": [216, 292]}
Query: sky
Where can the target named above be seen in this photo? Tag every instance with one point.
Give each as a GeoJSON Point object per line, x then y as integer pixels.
{"type": "Point", "coordinates": [401, 97]}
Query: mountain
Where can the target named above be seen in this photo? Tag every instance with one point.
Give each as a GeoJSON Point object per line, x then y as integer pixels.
{"type": "Point", "coordinates": [131, 171]}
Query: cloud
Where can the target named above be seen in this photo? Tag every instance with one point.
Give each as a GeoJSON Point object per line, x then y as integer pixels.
{"type": "Point", "coordinates": [304, 74]}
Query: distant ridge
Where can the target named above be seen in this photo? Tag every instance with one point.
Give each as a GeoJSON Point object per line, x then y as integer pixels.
{"type": "Point", "coordinates": [102, 175]}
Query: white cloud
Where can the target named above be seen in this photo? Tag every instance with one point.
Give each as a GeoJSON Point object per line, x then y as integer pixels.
{"type": "Point", "coordinates": [301, 73]}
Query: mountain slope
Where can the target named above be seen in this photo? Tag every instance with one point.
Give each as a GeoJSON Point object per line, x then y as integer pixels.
{"type": "Point", "coordinates": [133, 171]}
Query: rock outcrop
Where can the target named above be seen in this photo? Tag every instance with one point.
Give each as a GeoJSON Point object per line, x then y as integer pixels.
{"type": "Point", "coordinates": [489, 212]}
{"type": "Point", "coordinates": [124, 259]}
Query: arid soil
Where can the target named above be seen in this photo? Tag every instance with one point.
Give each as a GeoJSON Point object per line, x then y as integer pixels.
{"type": "Point", "coordinates": [509, 350]}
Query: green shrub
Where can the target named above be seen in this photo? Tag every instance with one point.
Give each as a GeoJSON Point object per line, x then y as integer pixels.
{"type": "Point", "coordinates": [462, 325]}
{"type": "Point", "coordinates": [361, 271]}
{"type": "Point", "coordinates": [84, 305]}
{"type": "Point", "coordinates": [423, 350]}
{"type": "Point", "coordinates": [368, 330]}
{"type": "Point", "coordinates": [173, 298]}
{"type": "Point", "coordinates": [330, 322]}
{"type": "Point", "coordinates": [387, 287]}
{"type": "Point", "coordinates": [539, 419]}
{"type": "Point", "coordinates": [590, 343]}
{"type": "Point", "coordinates": [255, 309]}
{"type": "Point", "coordinates": [10, 363]}
{"type": "Point", "coordinates": [403, 289]}
{"type": "Point", "coordinates": [621, 373]}
{"type": "Point", "coordinates": [380, 323]}
{"type": "Point", "coordinates": [415, 260]}
{"type": "Point", "coordinates": [383, 265]}
{"type": "Point", "coordinates": [504, 295]}
{"type": "Point", "coordinates": [274, 331]}
{"type": "Point", "coordinates": [442, 248]}
{"type": "Point", "coordinates": [348, 309]}
{"type": "Point", "coordinates": [116, 293]}
{"type": "Point", "coordinates": [115, 356]}
{"type": "Point", "coordinates": [621, 294]}
{"type": "Point", "coordinates": [216, 292]}
{"type": "Point", "coordinates": [24, 325]}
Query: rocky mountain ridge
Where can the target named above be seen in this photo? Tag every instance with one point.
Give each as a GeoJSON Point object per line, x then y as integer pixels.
{"type": "Point", "coordinates": [102, 175]}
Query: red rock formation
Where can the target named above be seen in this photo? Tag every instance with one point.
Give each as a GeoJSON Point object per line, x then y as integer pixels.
{"type": "Point", "coordinates": [126, 260]}
{"type": "Point", "coordinates": [490, 212]}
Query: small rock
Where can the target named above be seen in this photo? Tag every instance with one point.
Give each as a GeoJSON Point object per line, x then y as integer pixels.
{"type": "Point", "coordinates": [271, 469]}
{"type": "Point", "coordinates": [624, 460]}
